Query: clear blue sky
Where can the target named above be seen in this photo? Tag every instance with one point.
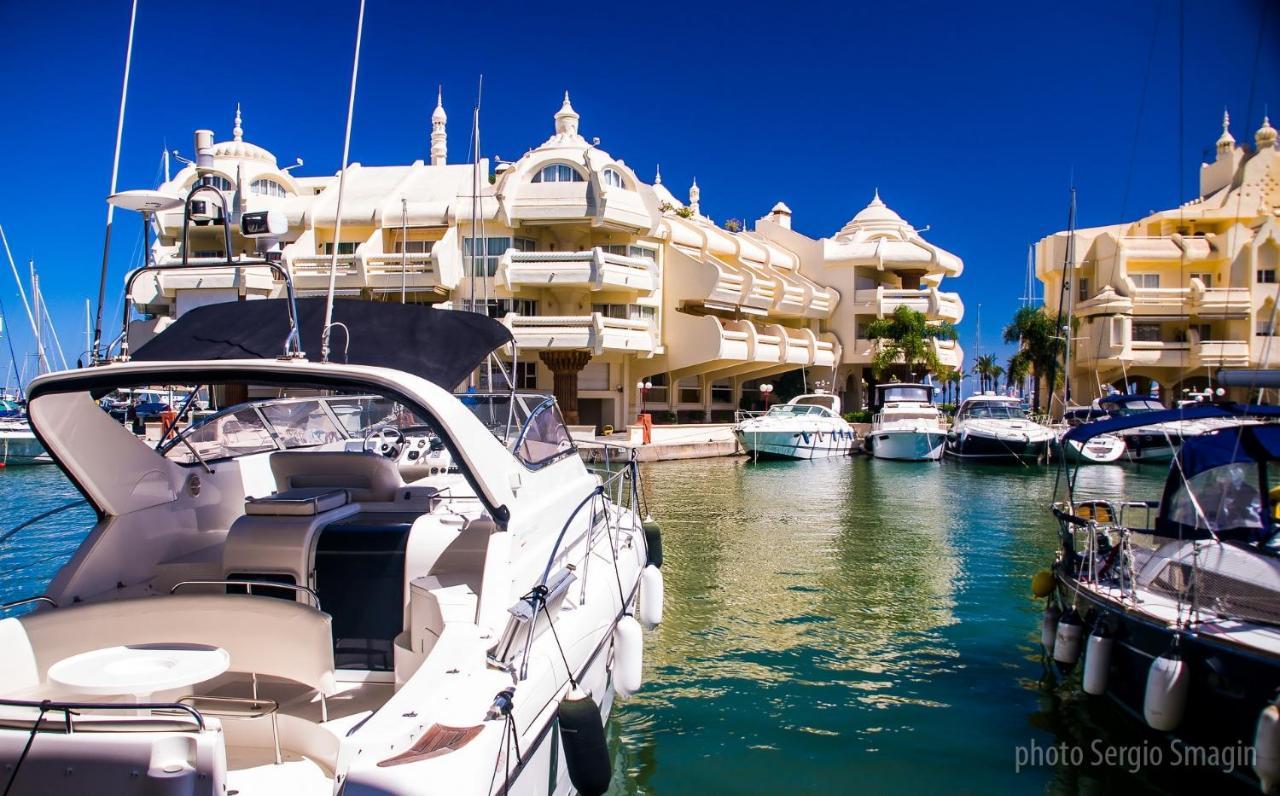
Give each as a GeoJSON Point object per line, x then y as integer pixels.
{"type": "Point", "coordinates": [970, 118]}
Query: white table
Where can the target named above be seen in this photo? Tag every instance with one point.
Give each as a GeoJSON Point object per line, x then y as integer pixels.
{"type": "Point", "coordinates": [139, 670]}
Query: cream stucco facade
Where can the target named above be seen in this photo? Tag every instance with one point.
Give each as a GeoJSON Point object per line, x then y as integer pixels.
{"type": "Point", "coordinates": [1173, 297]}
{"type": "Point", "coordinates": [605, 280]}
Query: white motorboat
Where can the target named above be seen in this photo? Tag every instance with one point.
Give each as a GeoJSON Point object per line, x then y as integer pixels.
{"type": "Point", "coordinates": [908, 426]}
{"type": "Point", "coordinates": [1100, 449]}
{"type": "Point", "coordinates": [348, 584]}
{"type": "Point", "coordinates": [806, 427]}
{"type": "Point", "coordinates": [18, 444]}
{"type": "Point", "coordinates": [1156, 442]}
{"type": "Point", "coordinates": [995, 428]}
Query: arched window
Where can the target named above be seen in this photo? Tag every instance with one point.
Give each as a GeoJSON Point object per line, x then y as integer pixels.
{"type": "Point", "coordinates": [219, 182]}
{"type": "Point", "coordinates": [558, 172]}
{"type": "Point", "coordinates": [613, 178]}
{"type": "Point", "coordinates": [265, 187]}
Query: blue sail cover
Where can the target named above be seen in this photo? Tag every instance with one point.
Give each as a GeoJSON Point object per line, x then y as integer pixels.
{"type": "Point", "coordinates": [1258, 443]}
{"type": "Point", "coordinates": [1194, 412]}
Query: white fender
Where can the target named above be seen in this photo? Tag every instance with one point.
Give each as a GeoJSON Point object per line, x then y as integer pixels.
{"type": "Point", "coordinates": [1049, 627]}
{"type": "Point", "coordinates": [1097, 661]}
{"type": "Point", "coordinates": [1067, 641]}
{"type": "Point", "coordinates": [1166, 697]}
{"type": "Point", "coordinates": [651, 596]}
{"type": "Point", "coordinates": [1266, 748]}
{"type": "Point", "coordinates": [628, 657]}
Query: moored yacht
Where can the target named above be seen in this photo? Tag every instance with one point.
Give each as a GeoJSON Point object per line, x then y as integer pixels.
{"type": "Point", "coordinates": [995, 428]}
{"type": "Point", "coordinates": [1101, 449]}
{"type": "Point", "coordinates": [806, 427]}
{"type": "Point", "coordinates": [1152, 442]}
{"type": "Point", "coordinates": [908, 426]}
{"type": "Point", "coordinates": [342, 581]}
{"type": "Point", "coordinates": [1173, 606]}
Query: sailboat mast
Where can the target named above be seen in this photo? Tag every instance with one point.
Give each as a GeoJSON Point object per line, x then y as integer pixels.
{"type": "Point", "coordinates": [115, 173]}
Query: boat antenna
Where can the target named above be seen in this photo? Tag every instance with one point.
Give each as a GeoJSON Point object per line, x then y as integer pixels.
{"type": "Point", "coordinates": [115, 173]}
{"type": "Point", "coordinates": [342, 183]}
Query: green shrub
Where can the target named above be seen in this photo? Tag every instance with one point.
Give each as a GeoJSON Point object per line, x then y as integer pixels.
{"type": "Point", "coordinates": [860, 416]}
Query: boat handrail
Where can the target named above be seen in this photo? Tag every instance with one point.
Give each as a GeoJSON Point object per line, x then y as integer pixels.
{"type": "Point", "coordinates": [249, 584]}
{"type": "Point", "coordinates": [39, 598]}
{"type": "Point", "coordinates": [69, 708]}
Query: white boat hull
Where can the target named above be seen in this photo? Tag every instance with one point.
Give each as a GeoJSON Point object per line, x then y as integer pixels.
{"type": "Point", "coordinates": [1102, 449]}
{"type": "Point", "coordinates": [907, 445]}
{"type": "Point", "coordinates": [795, 444]}
{"type": "Point", "coordinates": [20, 446]}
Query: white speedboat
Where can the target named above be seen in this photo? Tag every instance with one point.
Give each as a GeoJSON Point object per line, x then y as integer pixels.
{"type": "Point", "coordinates": [1156, 442]}
{"type": "Point", "coordinates": [908, 426]}
{"type": "Point", "coordinates": [995, 428]}
{"type": "Point", "coordinates": [352, 587]}
{"type": "Point", "coordinates": [18, 444]}
{"type": "Point", "coordinates": [806, 427]}
{"type": "Point", "coordinates": [1100, 449]}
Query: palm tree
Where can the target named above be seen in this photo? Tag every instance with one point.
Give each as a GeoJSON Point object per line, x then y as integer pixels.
{"type": "Point", "coordinates": [906, 338]}
{"type": "Point", "coordinates": [1039, 346]}
{"type": "Point", "coordinates": [996, 373]}
{"type": "Point", "coordinates": [984, 368]}
{"type": "Point", "coordinates": [954, 379]}
{"type": "Point", "coordinates": [1017, 370]}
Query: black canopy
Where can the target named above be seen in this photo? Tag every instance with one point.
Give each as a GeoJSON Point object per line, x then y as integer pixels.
{"type": "Point", "coordinates": [442, 346]}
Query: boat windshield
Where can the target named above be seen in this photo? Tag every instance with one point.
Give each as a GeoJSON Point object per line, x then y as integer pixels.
{"type": "Point", "coordinates": [914, 394]}
{"type": "Point", "coordinates": [995, 411]}
{"type": "Point", "coordinates": [796, 410]}
{"type": "Point", "coordinates": [1136, 408]}
{"type": "Point", "coordinates": [1221, 499]}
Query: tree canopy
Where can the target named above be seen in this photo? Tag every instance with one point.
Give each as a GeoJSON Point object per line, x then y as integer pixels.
{"type": "Point", "coordinates": [906, 338]}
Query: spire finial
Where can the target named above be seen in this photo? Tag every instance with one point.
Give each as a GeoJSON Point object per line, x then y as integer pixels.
{"type": "Point", "coordinates": [1226, 119]}
{"type": "Point", "coordinates": [1266, 135]}
{"type": "Point", "coordinates": [695, 193]}
{"type": "Point", "coordinates": [1226, 141]}
{"type": "Point", "coordinates": [439, 138]}
{"type": "Point", "coordinates": [657, 175]}
{"type": "Point", "coordinates": [566, 118]}
{"type": "Point", "coordinates": [875, 199]}
{"type": "Point", "coordinates": [237, 133]}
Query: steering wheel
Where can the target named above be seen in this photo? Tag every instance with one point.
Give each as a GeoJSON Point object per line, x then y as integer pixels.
{"type": "Point", "coordinates": [389, 441]}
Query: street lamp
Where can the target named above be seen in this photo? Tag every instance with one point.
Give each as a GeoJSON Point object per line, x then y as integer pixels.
{"type": "Point", "coordinates": [766, 390]}
{"type": "Point", "coordinates": [644, 387]}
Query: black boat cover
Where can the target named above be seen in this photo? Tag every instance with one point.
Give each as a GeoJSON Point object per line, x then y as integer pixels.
{"type": "Point", "coordinates": [441, 346]}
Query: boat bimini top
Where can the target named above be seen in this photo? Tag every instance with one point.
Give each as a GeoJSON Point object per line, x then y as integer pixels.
{"type": "Point", "coordinates": [1111, 425]}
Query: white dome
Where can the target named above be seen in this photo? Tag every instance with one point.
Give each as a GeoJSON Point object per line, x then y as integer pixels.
{"type": "Point", "coordinates": [242, 150]}
{"type": "Point", "coordinates": [877, 211]}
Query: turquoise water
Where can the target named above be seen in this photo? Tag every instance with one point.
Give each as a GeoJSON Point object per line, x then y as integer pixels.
{"type": "Point", "coordinates": [846, 625]}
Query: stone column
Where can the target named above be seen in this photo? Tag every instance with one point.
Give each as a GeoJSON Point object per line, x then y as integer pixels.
{"type": "Point", "coordinates": [565, 366]}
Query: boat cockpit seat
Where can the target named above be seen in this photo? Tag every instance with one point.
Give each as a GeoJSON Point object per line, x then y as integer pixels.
{"type": "Point", "coordinates": [299, 502]}
{"type": "Point", "coordinates": [262, 636]}
{"type": "Point", "coordinates": [366, 477]}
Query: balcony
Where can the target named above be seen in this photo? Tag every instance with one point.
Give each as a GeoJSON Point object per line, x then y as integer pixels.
{"type": "Point", "coordinates": [1159, 300]}
{"type": "Point", "coordinates": [1220, 353]}
{"type": "Point", "coordinates": [311, 272]}
{"type": "Point", "coordinates": [594, 332]}
{"type": "Point", "coordinates": [935, 304]}
{"type": "Point", "coordinates": [1158, 354]}
{"type": "Point", "coordinates": [1219, 302]}
{"type": "Point", "coordinates": [377, 271]}
{"type": "Point", "coordinates": [889, 254]}
{"type": "Point", "coordinates": [595, 270]}
{"type": "Point", "coordinates": [950, 354]}
{"type": "Point", "coordinates": [158, 290]}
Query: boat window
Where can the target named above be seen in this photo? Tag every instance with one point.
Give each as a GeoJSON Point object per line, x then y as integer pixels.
{"type": "Point", "coordinates": [1135, 407]}
{"type": "Point", "coordinates": [301, 424]}
{"type": "Point", "coordinates": [545, 437]}
{"type": "Point", "coordinates": [920, 394]}
{"type": "Point", "coordinates": [995, 411]}
{"type": "Point", "coordinates": [224, 436]}
{"type": "Point", "coordinates": [1220, 499]}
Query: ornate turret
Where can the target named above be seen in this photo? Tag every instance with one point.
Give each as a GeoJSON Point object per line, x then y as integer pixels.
{"type": "Point", "coordinates": [566, 119]}
{"type": "Point", "coordinates": [237, 132]}
{"type": "Point", "coordinates": [439, 138]}
{"type": "Point", "coordinates": [1226, 142]}
{"type": "Point", "coordinates": [657, 175]}
{"type": "Point", "coordinates": [1265, 138]}
{"type": "Point", "coordinates": [695, 193]}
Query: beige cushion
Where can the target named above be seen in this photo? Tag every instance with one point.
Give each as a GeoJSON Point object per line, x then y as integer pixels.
{"type": "Point", "coordinates": [297, 502]}
{"type": "Point", "coordinates": [367, 477]}
{"type": "Point", "coordinates": [262, 635]}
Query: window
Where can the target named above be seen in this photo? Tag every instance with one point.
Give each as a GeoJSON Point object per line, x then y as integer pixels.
{"type": "Point", "coordinates": [223, 437]}
{"type": "Point", "coordinates": [722, 391]}
{"type": "Point", "coordinates": [265, 187]}
{"type": "Point", "coordinates": [558, 172]}
{"type": "Point", "coordinates": [1206, 278]}
{"type": "Point", "coordinates": [611, 310]}
{"type": "Point", "coordinates": [639, 312]}
{"type": "Point", "coordinates": [524, 244]}
{"type": "Point", "coordinates": [492, 248]}
{"type": "Point", "coordinates": [219, 182]}
{"type": "Point", "coordinates": [1267, 276]}
{"type": "Point", "coordinates": [301, 424]}
{"type": "Point", "coordinates": [414, 246]}
{"type": "Point", "coordinates": [1146, 332]}
{"type": "Point", "coordinates": [612, 178]}
{"type": "Point", "coordinates": [209, 254]}
{"type": "Point", "coordinates": [498, 308]}
{"type": "Point", "coordinates": [1204, 330]}
{"type": "Point", "coordinates": [1150, 281]}
{"type": "Point", "coordinates": [344, 247]}
{"type": "Point", "coordinates": [658, 392]}
{"type": "Point", "coordinates": [1263, 328]}
{"type": "Point", "coordinates": [689, 390]}
{"type": "Point", "coordinates": [526, 375]}
{"type": "Point", "coordinates": [1084, 289]}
